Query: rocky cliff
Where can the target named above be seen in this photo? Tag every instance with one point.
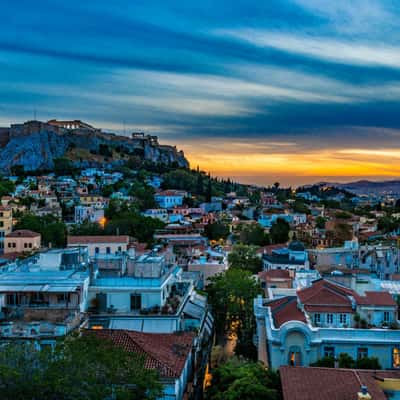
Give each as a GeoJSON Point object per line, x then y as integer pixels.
{"type": "Point", "coordinates": [36, 144]}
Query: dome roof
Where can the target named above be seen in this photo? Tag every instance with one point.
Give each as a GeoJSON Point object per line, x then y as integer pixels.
{"type": "Point", "coordinates": [296, 246]}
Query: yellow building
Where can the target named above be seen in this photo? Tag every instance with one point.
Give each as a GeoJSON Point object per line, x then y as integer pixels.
{"type": "Point", "coordinates": [5, 224]}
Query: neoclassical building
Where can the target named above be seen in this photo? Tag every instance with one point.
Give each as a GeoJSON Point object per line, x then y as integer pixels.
{"type": "Point", "coordinates": [327, 319]}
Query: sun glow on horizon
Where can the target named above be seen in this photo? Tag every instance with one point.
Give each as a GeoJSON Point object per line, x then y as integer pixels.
{"type": "Point", "coordinates": [294, 164]}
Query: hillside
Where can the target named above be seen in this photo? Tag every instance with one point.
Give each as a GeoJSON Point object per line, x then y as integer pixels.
{"type": "Point", "coordinates": [370, 187]}
{"type": "Point", "coordinates": [35, 145]}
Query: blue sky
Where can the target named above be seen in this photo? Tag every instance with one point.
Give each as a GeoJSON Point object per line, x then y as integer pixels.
{"type": "Point", "coordinates": [298, 90]}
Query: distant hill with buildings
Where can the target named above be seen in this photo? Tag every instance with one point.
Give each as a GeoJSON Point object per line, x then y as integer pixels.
{"type": "Point", "coordinates": [35, 145]}
{"type": "Point", "coordinates": [370, 187]}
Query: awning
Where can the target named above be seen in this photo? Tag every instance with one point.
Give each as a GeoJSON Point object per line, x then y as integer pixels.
{"type": "Point", "coordinates": [193, 310]}
{"type": "Point", "coordinates": [61, 289]}
{"type": "Point", "coordinates": [38, 288]}
{"type": "Point", "coordinates": [23, 288]}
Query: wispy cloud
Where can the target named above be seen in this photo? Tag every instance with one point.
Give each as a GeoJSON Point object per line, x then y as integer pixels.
{"type": "Point", "coordinates": [322, 47]}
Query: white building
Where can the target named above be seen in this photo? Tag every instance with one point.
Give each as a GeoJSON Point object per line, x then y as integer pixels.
{"type": "Point", "coordinates": [88, 213]}
{"type": "Point", "coordinates": [96, 245]}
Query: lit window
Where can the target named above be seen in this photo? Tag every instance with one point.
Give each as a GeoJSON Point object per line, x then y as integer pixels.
{"type": "Point", "coordinates": [329, 318]}
{"type": "Point", "coordinates": [396, 357]}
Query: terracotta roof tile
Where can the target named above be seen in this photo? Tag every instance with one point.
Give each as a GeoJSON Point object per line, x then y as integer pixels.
{"type": "Point", "coordinates": [167, 352]}
{"type": "Point", "coordinates": [327, 296]}
{"type": "Point", "coordinates": [301, 383]}
{"type": "Point", "coordinates": [379, 299]}
{"type": "Point", "coordinates": [284, 310]}
{"type": "Point", "coordinates": [25, 233]}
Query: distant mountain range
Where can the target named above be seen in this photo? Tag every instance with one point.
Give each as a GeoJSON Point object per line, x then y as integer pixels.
{"type": "Point", "coordinates": [368, 187]}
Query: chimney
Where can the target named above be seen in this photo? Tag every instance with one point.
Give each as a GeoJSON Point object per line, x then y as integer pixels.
{"type": "Point", "coordinates": [364, 395]}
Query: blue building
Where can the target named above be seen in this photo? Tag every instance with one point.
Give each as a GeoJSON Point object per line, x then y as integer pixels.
{"type": "Point", "coordinates": [170, 198]}
{"type": "Point", "coordinates": [327, 319]}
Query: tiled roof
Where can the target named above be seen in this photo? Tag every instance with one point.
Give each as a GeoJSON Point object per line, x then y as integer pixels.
{"type": "Point", "coordinates": [165, 352]}
{"type": "Point", "coordinates": [98, 239]}
{"type": "Point", "coordinates": [25, 233]}
{"type": "Point", "coordinates": [284, 310]}
{"type": "Point", "coordinates": [301, 383]}
{"type": "Point", "coordinates": [327, 296]}
{"type": "Point", "coordinates": [378, 299]}
{"type": "Point", "coordinates": [274, 274]}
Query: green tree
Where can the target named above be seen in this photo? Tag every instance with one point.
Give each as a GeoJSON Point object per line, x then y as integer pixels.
{"type": "Point", "coordinates": [320, 222]}
{"type": "Point", "coordinates": [144, 196]}
{"type": "Point", "coordinates": [388, 224]}
{"type": "Point", "coordinates": [87, 228]}
{"type": "Point", "coordinates": [368, 363]}
{"type": "Point", "coordinates": [6, 187]}
{"type": "Point", "coordinates": [231, 295]}
{"type": "Point", "coordinates": [50, 227]}
{"type": "Point", "coordinates": [243, 380]}
{"type": "Point", "coordinates": [346, 361]}
{"type": "Point", "coordinates": [217, 230]}
{"type": "Point", "coordinates": [78, 368]}
{"type": "Point", "coordinates": [253, 234]}
{"type": "Point", "coordinates": [245, 257]}
{"type": "Point", "coordinates": [300, 207]}
{"type": "Point", "coordinates": [326, 362]}
{"type": "Point", "coordinates": [133, 224]}
{"type": "Point", "coordinates": [63, 166]}
{"type": "Point", "coordinates": [279, 231]}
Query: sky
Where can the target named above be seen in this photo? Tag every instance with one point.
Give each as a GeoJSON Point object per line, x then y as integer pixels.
{"type": "Point", "coordinates": [296, 91]}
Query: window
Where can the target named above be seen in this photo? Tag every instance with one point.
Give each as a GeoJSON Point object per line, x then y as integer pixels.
{"type": "Point", "coordinates": [1, 224]}
{"type": "Point", "coordinates": [14, 245]}
{"type": "Point", "coordinates": [30, 245]}
{"type": "Point", "coordinates": [396, 357]}
{"type": "Point", "coordinates": [329, 318]}
{"type": "Point", "coordinates": [25, 245]}
{"type": "Point", "coordinates": [136, 301]}
{"type": "Point", "coordinates": [9, 244]}
{"type": "Point", "coordinates": [108, 250]}
{"type": "Point", "coordinates": [386, 316]}
{"type": "Point", "coordinates": [294, 356]}
{"type": "Point", "coordinates": [317, 318]}
{"type": "Point", "coordinates": [329, 351]}
{"type": "Point", "coordinates": [362, 352]}
{"type": "Point", "coordinates": [12, 300]}
{"type": "Point", "coordinates": [343, 318]}
{"type": "Point", "coordinates": [62, 298]}
{"type": "Point", "coordinates": [96, 250]}
{"type": "Point", "coordinates": [119, 249]}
